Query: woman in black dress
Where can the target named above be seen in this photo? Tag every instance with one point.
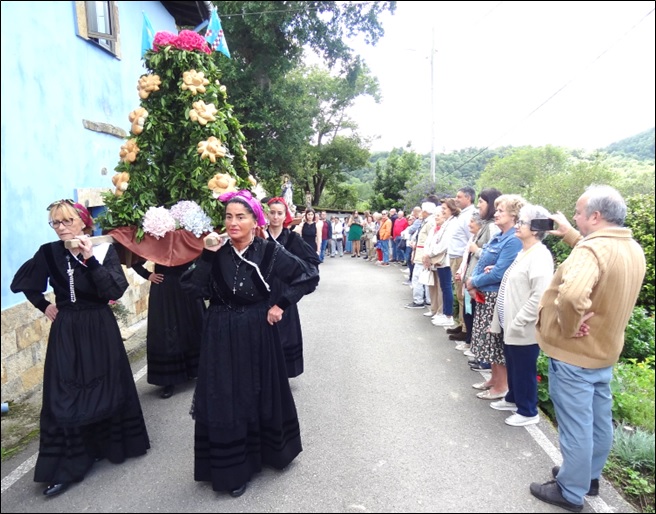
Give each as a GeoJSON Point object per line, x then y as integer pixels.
{"type": "Point", "coordinates": [291, 335]}
{"type": "Point", "coordinates": [244, 412]}
{"type": "Point", "coordinates": [175, 322]}
{"type": "Point", "coordinates": [90, 406]}
{"type": "Point", "coordinates": [310, 230]}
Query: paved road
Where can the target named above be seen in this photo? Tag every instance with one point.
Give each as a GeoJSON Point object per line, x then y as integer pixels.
{"type": "Point", "coordinates": [389, 420]}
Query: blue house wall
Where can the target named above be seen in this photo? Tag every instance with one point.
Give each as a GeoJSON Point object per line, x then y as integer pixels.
{"type": "Point", "coordinates": [52, 80]}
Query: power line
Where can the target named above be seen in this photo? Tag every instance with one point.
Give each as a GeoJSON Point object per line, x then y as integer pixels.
{"type": "Point", "coordinates": [612, 45]}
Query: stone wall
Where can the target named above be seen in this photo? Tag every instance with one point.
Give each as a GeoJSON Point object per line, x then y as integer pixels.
{"type": "Point", "coordinates": [25, 338]}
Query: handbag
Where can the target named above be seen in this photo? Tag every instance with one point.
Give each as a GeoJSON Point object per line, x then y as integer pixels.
{"type": "Point", "coordinates": [440, 259]}
{"type": "Point", "coordinates": [426, 277]}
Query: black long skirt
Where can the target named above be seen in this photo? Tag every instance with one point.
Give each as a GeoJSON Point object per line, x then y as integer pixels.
{"type": "Point", "coordinates": [90, 404]}
{"type": "Point", "coordinates": [243, 406]}
{"type": "Point", "coordinates": [291, 337]}
{"type": "Point", "coordinates": [175, 323]}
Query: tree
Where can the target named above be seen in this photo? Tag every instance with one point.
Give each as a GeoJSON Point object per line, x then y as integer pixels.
{"type": "Point", "coordinates": [393, 177]}
{"type": "Point", "coordinates": [518, 172]}
{"type": "Point", "coordinates": [267, 41]}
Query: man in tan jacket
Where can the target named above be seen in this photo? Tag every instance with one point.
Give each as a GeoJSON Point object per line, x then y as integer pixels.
{"type": "Point", "coordinates": [581, 320]}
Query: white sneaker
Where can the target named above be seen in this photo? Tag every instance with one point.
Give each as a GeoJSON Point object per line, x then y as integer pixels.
{"type": "Point", "coordinates": [503, 405]}
{"type": "Point", "coordinates": [463, 346]}
{"type": "Point", "coordinates": [468, 353]}
{"type": "Point", "coordinates": [429, 313]}
{"type": "Point", "coordinates": [517, 420]}
{"type": "Point", "coordinates": [438, 319]}
{"type": "Point", "coordinates": [447, 321]}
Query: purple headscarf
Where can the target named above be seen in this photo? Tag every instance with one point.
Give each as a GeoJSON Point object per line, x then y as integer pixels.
{"type": "Point", "coordinates": [246, 197]}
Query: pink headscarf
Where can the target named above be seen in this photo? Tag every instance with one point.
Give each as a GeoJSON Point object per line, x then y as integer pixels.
{"type": "Point", "coordinates": [246, 197]}
{"type": "Point", "coordinates": [85, 216]}
{"type": "Point", "coordinates": [288, 216]}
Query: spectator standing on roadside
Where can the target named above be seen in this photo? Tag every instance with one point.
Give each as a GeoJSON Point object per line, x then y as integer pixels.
{"type": "Point", "coordinates": [420, 293]}
{"type": "Point", "coordinates": [581, 322]}
{"type": "Point", "coordinates": [384, 236]}
{"type": "Point", "coordinates": [401, 223]}
{"type": "Point", "coordinates": [326, 234]}
{"type": "Point", "coordinates": [355, 234]}
{"type": "Point", "coordinates": [338, 237]}
{"type": "Point", "coordinates": [464, 199]}
{"type": "Point", "coordinates": [515, 316]}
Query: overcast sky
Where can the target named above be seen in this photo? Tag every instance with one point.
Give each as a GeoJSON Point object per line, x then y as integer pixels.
{"type": "Point", "coordinates": [590, 63]}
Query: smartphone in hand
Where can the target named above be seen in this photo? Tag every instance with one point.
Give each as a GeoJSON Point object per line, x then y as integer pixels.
{"type": "Point", "coordinates": [542, 224]}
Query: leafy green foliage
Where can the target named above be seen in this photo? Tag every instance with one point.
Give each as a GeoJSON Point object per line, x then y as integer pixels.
{"type": "Point", "coordinates": [392, 178]}
{"type": "Point", "coordinates": [633, 393]}
{"type": "Point", "coordinates": [640, 219]}
{"type": "Point", "coordinates": [637, 487]}
{"type": "Point", "coordinates": [634, 447]}
{"type": "Point", "coordinates": [639, 337]}
{"type": "Point", "coordinates": [168, 167]}
{"type": "Point", "coordinates": [282, 119]}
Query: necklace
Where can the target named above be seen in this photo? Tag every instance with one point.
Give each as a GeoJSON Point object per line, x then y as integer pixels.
{"type": "Point", "coordinates": [234, 280]}
{"type": "Point", "coordinates": [71, 280]}
{"type": "Point", "coordinates": [238, 264]}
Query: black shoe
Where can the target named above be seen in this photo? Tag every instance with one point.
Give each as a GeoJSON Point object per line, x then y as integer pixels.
{"type": "Point", "coordinates": [55, 489]}
{"type": "Point", "coordinates": [454, 330]}
{"type": "Point", "coordinates": [167, 392]}
{"type": "Point", "coordinates": [414, 305]}
{"type": "Point", "coordinates": [550, 492]}
{"type": "Point", "coordinates": [457, 337]}
{"type": "Point", "coordinates": [594, 483]}
{"type": "Point", "coordinates": [236, 493]}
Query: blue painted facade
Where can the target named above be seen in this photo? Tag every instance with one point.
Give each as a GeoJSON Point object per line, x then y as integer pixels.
{"type": "Point", "coordinates": [52, 80]}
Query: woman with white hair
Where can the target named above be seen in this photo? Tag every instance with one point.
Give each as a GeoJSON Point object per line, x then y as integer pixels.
{"type": "Point", "coordinates": [516, 314]}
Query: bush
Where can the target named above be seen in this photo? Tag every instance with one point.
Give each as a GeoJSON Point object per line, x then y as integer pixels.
{"type": "Point", "coordinates": [633, 393]}
{"type": "Point", "coordinates": [634, 448]}
{"type": "Point", "coordinates": [640, 219]}
{"type": "Point", "coordinates": [639, 337]}
{"type": "Point", "coordinates": [544, 400]}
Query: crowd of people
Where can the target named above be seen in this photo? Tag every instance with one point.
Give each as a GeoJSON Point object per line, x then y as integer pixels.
{"type": "Point", "coordinates": [477, 266]}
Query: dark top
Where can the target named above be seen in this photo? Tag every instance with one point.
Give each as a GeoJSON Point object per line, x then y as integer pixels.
{"type": "Point", "coordinates": [309, 234]}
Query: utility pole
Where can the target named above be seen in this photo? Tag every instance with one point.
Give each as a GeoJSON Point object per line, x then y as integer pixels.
{"type": "Point", "coordinates": [432, 90]}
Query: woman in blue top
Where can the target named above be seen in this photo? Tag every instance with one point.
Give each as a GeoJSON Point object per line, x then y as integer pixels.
{"type": "Point", "coordinates": [497, 255]}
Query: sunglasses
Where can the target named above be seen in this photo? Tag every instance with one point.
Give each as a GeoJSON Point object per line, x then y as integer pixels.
{"type": "Point", "coordinates": [61, 202]}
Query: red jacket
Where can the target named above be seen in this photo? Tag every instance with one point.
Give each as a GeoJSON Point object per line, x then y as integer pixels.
{"type": "Point", "coordinates": [399, 226]}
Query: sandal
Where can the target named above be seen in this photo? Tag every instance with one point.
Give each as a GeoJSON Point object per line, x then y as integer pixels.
{"type": "Point", "coordinates": [488, 395]}
{"type": "Point", "coordinates": [481, 386]}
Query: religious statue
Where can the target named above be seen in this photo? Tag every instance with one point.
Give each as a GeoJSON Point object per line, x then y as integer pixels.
{"type": "Point", "coordinates": [287, 191]}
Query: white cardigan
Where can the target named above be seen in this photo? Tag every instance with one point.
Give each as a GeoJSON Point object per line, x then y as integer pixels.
{"type": "Point", "coordinates": [526, 282]}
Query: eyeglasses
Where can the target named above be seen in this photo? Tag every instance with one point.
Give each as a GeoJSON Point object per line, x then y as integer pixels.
{"type": "Point", "coordinates": [60, 202]}
{"type": "Point", "coordinates": [66, 223]}
{"type": "Point", "coordinates": [521, 223]}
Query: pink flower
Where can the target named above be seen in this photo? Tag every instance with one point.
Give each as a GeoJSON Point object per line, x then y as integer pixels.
{"type": "Point", "coordinates": [162, 39]}
{"type": "Point", "coordinates": [187, 40]}
{"type": "Point", "coordinates": [190, 40]}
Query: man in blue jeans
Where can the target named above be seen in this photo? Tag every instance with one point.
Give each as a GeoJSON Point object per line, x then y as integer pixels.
{"type": "Point", "coordinates": [384, 236]}
{"type": "Point", "coordinates": [326, 234]}
{"type": "Point", "coordinates": [581, 321]}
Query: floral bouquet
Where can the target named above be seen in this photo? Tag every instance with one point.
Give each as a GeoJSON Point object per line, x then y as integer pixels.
{"type": "Point", "coordinates": [185, 145]}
